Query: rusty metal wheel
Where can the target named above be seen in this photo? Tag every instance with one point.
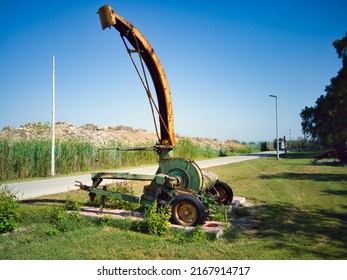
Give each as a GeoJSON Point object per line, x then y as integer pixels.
{"type": "Point", "coordinates": [188, 210]}
{"type": "Point", "coordinates": [225, 193]}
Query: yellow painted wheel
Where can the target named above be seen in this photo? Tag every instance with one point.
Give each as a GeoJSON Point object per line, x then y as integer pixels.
{"type": "Point", "coordinates": [225, 193]}
{"type": "Point", "coordinates": [188, 210]}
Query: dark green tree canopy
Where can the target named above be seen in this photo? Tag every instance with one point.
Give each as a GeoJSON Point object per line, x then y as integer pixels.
{"type": "Point", "coordinates": [326, 122]}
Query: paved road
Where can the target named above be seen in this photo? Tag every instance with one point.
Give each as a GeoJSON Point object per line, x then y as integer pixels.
{"type": "Point", "coordinates": [35, 188]}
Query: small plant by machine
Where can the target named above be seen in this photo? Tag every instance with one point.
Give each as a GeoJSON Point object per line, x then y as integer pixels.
{"type": "Point", "coordinates": [178, 182]}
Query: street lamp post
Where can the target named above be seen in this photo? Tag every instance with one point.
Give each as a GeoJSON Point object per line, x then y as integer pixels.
{"type": "Point", "coordinates": [277, 144]}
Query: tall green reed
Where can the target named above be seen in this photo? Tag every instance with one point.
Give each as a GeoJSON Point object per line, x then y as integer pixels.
{"type": "Point", "coordinates": [22, 159]}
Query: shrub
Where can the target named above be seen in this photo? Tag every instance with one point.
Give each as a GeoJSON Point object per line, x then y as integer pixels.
{"type": "Point", "coordinates": [9, 210]}
{"type": "Point", "coordinates": [157, 219]}
{"type": "Point", "coordinates": [58, 217]}
{"type": "Point", "coordinates": [64, 221]}
{"type": "Point", "coordinates": [216, 212]}
{"type": "Point", "coordinates": [71, 204]}
{"type": "Point", "coordinates": [197, 234]}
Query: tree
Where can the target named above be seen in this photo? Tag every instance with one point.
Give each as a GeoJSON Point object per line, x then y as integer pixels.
{"type": "Point", "coordinates": [327, 120]}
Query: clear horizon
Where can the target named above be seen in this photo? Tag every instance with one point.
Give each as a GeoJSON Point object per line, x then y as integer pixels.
{"type": "Point", "coordinates": [222, 60]}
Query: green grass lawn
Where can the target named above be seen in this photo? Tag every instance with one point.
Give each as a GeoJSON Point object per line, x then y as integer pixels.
{"type": "Point", "coordinates": [294, 210]}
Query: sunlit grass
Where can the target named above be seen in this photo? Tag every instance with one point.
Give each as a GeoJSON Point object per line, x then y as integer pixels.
{"type": "Point", "coordinates": [297, 211]}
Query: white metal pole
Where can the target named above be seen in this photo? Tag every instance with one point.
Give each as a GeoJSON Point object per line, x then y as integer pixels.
{"type": "Point", "coordinates": [277, 146]}
{"type": "Point", "coordinates": [53, 119]}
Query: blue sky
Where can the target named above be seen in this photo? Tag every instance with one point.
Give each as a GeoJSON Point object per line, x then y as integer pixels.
{"type": "Point", "coordinates": [222, 60]}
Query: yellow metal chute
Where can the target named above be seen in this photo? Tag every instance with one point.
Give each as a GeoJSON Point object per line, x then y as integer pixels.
{"type": "Point", "coordinates": [146, 53]}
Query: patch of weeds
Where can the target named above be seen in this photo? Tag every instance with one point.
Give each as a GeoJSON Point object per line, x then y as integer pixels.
{"type": "Point", "coordinates": [206, 199]}
{"type": "Point", "coordinates": [231, 233]}
{"type": "Point", "coordinates": [107, 220]}
{"type": "Point", "coordinates": [51, 231]}
{"type": "Point", "coordinates": [128, 224]}
{"type": "Point", "coordinates": [157, 220]}
{"type": "Point", "coordinates": [216, 212]}
{"type": "Point", "coordinates": [180, 236]}
{"type": "Point", "coordinates": [124, 224]}
{"type": "Point", "coordinates": [63, 221]}
{"type": "Point", "coordinates": [71, 204]}
{"type": "Point", "coordinates": [9, 210]}
{"type": "Point", "coordinates": [111, 202]}
{"type": "Point", "coordinates": [197, 234]}
{"type": "Point", "coordinates": [58, 217]}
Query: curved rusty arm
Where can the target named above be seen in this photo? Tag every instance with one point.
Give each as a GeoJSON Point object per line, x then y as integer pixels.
{"type": "Point", "coordinates": [109, 18]}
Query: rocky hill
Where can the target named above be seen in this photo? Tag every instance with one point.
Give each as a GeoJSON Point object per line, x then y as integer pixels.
{"type": "Point", "coordinates": [97, 135]}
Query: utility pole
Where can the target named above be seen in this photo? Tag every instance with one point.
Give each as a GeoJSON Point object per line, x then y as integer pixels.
{"type": "Point", "coordinates": [53, 119]}
{"type": "Point", "coordinates": [277, 144]}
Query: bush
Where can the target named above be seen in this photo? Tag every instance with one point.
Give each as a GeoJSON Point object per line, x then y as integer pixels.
{"type": "Point", "coordinates": [216, 212]}
{"type": "Point", "coordinates": [9, 210]}
{"type": "Point", "coordinates": [58, 217]}
{"type": "Point", "coordinates": [197, 234]}
{"type": "Point", "coordinates": [64, 221]}
{"type": "Point", "coordinates": [157, 219]}
{"type": "Point", "coordinates": [71, 204]}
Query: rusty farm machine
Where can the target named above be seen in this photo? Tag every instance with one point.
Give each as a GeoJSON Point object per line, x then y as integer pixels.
{"type": "Point", "coordinates": [178, 182]}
